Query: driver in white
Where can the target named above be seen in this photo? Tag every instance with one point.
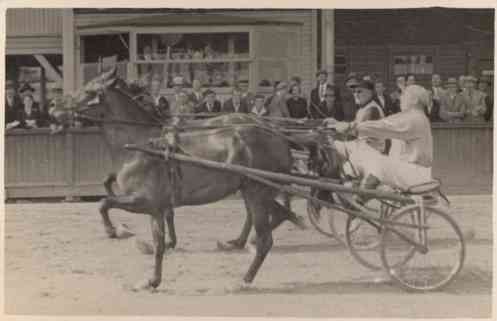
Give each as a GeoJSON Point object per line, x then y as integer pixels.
{"type": "Point", "coordinates": [412, 166]}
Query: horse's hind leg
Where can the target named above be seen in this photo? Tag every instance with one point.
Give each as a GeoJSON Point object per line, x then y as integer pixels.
{"type": "Point", "coordinates": [111, 178]}
{"type": "Point", "coordinates": [239, 243]}
{"type": "Point", "coordinates": [264, 239]}
{"type": "Point", "coordinates": [169, 213]}
{"type": "Point", "coordinates": [131, 203]}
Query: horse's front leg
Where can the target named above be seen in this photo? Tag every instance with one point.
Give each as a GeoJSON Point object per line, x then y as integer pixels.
{"type": "Point", "coordinates": [169, 213]}
{"type": "Point", "coordinates": [130, 203]}
{"type": "Point", "coordinates": [158, 233]}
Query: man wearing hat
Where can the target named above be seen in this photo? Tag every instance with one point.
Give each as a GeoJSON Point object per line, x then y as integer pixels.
{"type": "Point", "coordinates": [13, 106]}
{"type": "Point", "coordinates": [210, 104]}
{"type": "Point", "coordinates": [369, 109]}
{"type": "Point", "coordinates": [57, 102]}
{"type": "Point", "coordinates": [177, 84]}
{"type": "Point", "coordinates": [475, 101]}
{"type": "Point", "coordinates": [278, 107]}
{"type": "Point", "coordinates": [452, 103]}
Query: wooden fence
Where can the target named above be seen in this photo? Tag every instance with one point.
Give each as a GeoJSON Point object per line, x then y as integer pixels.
{"type": "Point", "coordinates": [75, 163]}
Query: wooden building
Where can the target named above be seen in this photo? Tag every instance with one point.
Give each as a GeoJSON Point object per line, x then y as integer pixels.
{"type": "Point", "coordinates": [394, 42]}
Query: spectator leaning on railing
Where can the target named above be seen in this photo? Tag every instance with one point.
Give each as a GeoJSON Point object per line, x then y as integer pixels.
{"type": "Point", "coordinates": [452, 103]}
{"type": "Point", "coordinates": [296, 104]}
{"type": "Point", "coordinates": [475, 101]}
{"type": "Point", "coordinates": [235, 104]}
{"type": "Point", "coordinates": [13, 106]}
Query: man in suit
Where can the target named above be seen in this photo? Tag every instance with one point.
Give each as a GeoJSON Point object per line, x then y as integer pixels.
{"type": "Point", "coordinates": [475, 101]}
{"type": "Point", "coordinates": [235, 104]}
{"type": "Point", "coordinates": [278, 106]}
{"type": "Point", "coordinates": [327, 108]}
{"type": "Point", "coordinates": [319, 92]}
{"type": "Point", "coordinates": [348, 102]}
{"type": "Point", "coordinates": [196, 96]}
{"type": "Point", "coordinates": [210, 104]}
{"type": "Point", "coordinates": [384, 100]}
{"type": "Point", "coordinates": [452, 103]}
{"type": "Point", "coordinates": [259, 109]}
{"type": "Point", "coordinates": [13, 106]}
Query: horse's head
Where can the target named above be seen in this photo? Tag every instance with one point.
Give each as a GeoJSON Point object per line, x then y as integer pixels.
{"type": "Point", "coordinates": [87, 101]}
{"type": "Point", "coordinates": [106, 98]}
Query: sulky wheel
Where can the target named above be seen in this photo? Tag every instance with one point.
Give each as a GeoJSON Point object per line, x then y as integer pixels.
{"type": "Point", "coordinates": [328, 221]}
{"type": "Point", "coordinates": [363, 238]}
{"type": "Point", "coordinates": [319, 216]}
{"type": "Point", "coordinates": [425, 269]}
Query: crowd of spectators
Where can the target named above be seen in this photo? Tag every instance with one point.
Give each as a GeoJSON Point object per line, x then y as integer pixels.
{"type": "Point", "coordinates": [466, 99]}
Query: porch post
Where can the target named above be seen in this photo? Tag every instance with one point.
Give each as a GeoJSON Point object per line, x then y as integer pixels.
{"type": "Point", "coordinates": [68, 51]}
{"type": "Point", "coordinates": [328, 43]}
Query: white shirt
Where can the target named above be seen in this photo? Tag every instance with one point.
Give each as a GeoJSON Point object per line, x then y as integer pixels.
{"type": "Point", "coordinates": [322, 91]}
{"type": "Point", "coordinates": [410, 126]}
{"type": "Point", "coordinates": [258, 112]}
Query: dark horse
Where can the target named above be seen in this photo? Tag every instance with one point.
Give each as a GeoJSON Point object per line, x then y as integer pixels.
{"type": "Point", "coordinates": [146, 183]}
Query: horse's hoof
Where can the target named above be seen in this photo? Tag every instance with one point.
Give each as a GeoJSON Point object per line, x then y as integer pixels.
{"type": "Point", "coordinates": [144, 247]}
{"type": "Point", "coordinates": [123, 232]}
{"type": "Point", "coordinates": [301, 223]}
{"type": "Point", "coordinates": [111, 232]}
{"type": "Point", "coordinates": [143, 285]}
{"type": "Point", "coordinates": [242, 286]}
{"type": "Point", "coordinates": [170, 246]}
{"type": "Point", "coordinates": [228, 246]}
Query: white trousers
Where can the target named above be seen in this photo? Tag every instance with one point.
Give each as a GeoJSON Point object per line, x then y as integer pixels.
{"type": "Point", "coordinates": [389, 170]}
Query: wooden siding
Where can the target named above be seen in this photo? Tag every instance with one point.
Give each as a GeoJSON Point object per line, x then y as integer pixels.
{"type": "Point", "coordinates": [33, 22]}
{"type": "Point", "coordinates": [38, 164]}
{"type": "Point", "coordinates": [307, 63]}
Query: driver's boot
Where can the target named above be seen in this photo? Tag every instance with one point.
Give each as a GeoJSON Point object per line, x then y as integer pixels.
{"type": "Point", "coordinates": [370, 182]}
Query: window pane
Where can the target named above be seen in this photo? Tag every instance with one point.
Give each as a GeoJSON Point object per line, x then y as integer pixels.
{"type": "Point", "coordinates": [184, 46]}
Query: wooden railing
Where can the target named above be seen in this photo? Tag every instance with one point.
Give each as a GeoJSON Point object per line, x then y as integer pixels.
{"type": "Point", "coordinates": [75, 163]}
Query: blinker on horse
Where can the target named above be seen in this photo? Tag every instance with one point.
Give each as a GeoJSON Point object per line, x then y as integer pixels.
{"type": "Point", "coordinates": [146, 185]}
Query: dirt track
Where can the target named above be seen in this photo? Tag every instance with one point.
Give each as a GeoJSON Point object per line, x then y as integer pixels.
{"type": "Point", "coordinates": [59, 262]}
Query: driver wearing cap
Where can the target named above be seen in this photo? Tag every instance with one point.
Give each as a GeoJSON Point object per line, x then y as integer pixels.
{"type": "Point", "coordinates": [413, 164]}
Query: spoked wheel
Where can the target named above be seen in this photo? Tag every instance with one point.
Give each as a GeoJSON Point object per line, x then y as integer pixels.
{"type": "Point", "coordinates": [363, 238]}
{"type": "Point", "coordinates": [421, 270]}
{"type": "Point", "coordinates": [325, 219]}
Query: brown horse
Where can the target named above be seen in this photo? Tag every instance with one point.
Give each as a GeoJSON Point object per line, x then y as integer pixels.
{"type": "Point", "coordinates": [146, 182]}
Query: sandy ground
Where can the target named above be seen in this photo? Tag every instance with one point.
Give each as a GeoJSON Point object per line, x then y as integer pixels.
{"type": "Point", "coordinates": [59, 262]}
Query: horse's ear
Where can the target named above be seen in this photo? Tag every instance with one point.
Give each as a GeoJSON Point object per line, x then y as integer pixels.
{"type": "Point", "coordinates": [110, 82]}
{"type": "Point", "coordinates": [110, 74]}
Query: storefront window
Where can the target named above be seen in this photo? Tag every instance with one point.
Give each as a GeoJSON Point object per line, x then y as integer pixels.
{"type": "Point", "coordinates": [216, 59]}
{"type": "Point", "coordinates": [413, 64]}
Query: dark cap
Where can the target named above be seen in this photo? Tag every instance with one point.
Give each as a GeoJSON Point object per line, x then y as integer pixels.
{"type": "Point", "coordinates": [485, 79]}
{"type": "Point", "coordinates": [352, 80]}
{"type": "Point", "coordinates": [26, 87]}
{"type": "Point", "coordinates": [9, 84]}
{"type": "Point", "coordinates": [322, 72]}
{"type": "Point", "coordinates": [366, 84]}
{"type": "Point", "coordinates": [209, 92]}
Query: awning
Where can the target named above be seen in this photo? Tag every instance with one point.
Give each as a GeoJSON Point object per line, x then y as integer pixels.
{"type": "Point", "coordinates": [195, 19]}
